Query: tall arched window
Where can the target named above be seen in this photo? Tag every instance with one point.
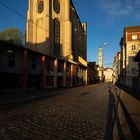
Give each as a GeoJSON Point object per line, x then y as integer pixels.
{"type": "Point", "coordinates": [57, 37]}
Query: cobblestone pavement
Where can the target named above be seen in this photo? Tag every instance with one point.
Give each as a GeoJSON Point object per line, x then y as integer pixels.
{"type": "Point", "coordinates": [78, 114]}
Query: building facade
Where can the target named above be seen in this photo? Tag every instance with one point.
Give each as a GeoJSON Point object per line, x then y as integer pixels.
{"type": "Point", "coordinates": [137, 59]}
{"type": "Point", "coordinates": [116, 69]}
{"type": "Point", "coordinates": [92, 73]}
{"type": "Point", "coordinates": [54, 29]}
{"type": "Point", "coordinates": [130, 45]}
{"type": "Point", "coordinates": [24, 68]}
{"type": "Point", "coordinates": [108, 72]}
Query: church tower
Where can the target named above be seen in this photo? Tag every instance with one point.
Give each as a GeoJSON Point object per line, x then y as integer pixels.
{"type": "Point", "coordinates": [100, 58]}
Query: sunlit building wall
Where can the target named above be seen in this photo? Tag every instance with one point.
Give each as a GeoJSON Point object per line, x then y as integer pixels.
{"type": "Point", "coordinates": [116, 68]}
{"type": "Point", "coordinates": [54, 28]}
{"type": "Point", "coordinates": [108, 72]}
{"type": "Point", "coordinates": [130, 45]}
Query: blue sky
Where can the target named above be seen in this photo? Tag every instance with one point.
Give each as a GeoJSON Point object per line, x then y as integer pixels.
{"type": "Point", "coordinates": [105, 18]}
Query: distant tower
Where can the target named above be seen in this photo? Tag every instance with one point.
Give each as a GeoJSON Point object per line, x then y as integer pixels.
{"type": "Point", "coordinates": [100, 58]}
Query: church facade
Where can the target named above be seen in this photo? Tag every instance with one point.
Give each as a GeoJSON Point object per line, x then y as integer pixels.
{"type": "Point", "coordinates": [54, 29]}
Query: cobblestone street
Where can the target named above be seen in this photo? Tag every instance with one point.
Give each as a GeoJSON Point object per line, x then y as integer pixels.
{"type": "Point", "coordinates": [70, 70]}
{"type": "Point", "coordinates": [77, 113]}
{"type": "Point", "coordinates": [94, 112]}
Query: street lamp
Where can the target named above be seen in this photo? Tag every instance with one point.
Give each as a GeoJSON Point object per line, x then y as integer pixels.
{"type": "Point", "coordinates": [105, 44]}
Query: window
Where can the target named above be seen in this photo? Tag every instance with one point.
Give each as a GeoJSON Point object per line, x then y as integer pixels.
{"type": "Point", "coordinates": [132, 58]}
{"type": "Point", "coordinates": [133, 47]}
{"type": "Point", "coordinates": [57, 6]}
{"type": "Point", "coordinates": [56, 37]}
{"type": "Point", "coordinates": [60, 66]}
{"type": "Point", "coordinates": [40, 6]}
{"type": "Point", "coordinates": [49, 65]}
{"type": "Point", "coordinates": [57, 31]}
{"type": "Point", "coordinates": [133, 71]}
{"type": "Point", "coordinates": [11, 58]}
{"type": "Point", "coordinates": [33, 63]}
{"type": "Point", "coordinates": [68, 68]}
{"type": "Point", "coordinates": [134, 37]}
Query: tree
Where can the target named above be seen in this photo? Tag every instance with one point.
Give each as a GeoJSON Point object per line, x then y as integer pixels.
{"type": "Point", "coordinates": [12, 35]}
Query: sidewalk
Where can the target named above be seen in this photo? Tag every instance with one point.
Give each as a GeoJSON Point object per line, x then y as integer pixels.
{"type": "Point", "coordinates": [14, 96]}
{"type": "Point", "coordinates": [128, 109]}
{"type": "Point", "coordinates": [17, 95]}
{"type": "Point", "coordinates": [8, 97]}
{"type": "Point", "coordinates": [133, 92]}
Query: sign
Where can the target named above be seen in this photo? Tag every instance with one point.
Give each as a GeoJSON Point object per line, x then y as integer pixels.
{"type": "Point", "coordinates": [82, 61]}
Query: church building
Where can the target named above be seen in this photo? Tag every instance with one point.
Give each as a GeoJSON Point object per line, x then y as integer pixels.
{"type": "Point", "coordinates": [54, 29]}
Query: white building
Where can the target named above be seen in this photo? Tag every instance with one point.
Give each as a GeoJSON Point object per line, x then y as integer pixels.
{"type": "Point", "coordinates": [108, 72]}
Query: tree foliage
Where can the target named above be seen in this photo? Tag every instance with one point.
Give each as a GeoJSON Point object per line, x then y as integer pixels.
{"type": "Point", "coordinates": [12, 35]}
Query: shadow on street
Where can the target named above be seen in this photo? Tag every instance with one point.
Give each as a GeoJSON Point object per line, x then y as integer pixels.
{"type": "Point", "coordinates": [113, 118]}
{"type": "Point", "coordinates": [132, 92]}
